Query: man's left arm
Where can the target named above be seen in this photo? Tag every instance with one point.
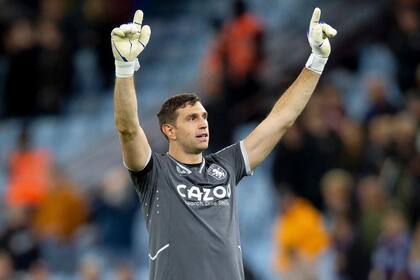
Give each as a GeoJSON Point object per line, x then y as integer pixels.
{"type": "Point", "coordinates": [268, 133]}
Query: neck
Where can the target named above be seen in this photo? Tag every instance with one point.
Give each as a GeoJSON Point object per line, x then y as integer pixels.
{"type": "Point", "coordinates": [183, 157]}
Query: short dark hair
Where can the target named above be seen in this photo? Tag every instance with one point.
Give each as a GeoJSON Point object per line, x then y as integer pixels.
{"type": "Point", "coordinates": [168, 114]}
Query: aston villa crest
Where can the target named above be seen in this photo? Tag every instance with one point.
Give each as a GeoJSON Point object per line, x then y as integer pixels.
{"type": "Point", "coordinates": [217, 172]}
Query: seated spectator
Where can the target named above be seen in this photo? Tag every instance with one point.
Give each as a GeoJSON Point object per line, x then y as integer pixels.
{"type": "Point", "coordinates": [18, 239]}
{"type": "Point", "coordinates": [29, 170]}
{"type": "Point", "coordinates": [54, 68]}
{"type": "Point", "coordinates": [351, 257]}
{"type": "Point", "coordinates": [404, 40]}
{"type": "Point", "coordinates": [415, 89]}
{"type": "Point", "coordinates": [90, 268]}
{"type": "Point", "coordinates": [380, 133]}
{"type": "Point", "coordinates": [376, 89]}
{"type": "Point", "coordinates": [124, 272]}
{"type": "Point", "coordinates": [414, 257]}
{"type": "Point", "coordinates": [39, 271]}
{"type": "Point", "coordinates": [372, 202]}
{"type": "Point", "coordinates": [114, 209]}
{"type": "Point", "coordinates": [301, 238]}
{"type": "Point", "coordinates": [390, 257]}
{"type": "Point", "coordinates": [21, 49]}
{"type": "Point", "coordinates": [6, 266]}
{"type": "Point", "coordinates": [336, 188]}
{"type": "Point", "coordinates": [57, 220]}
{"type": "Point", "coordinates": [62, 211]}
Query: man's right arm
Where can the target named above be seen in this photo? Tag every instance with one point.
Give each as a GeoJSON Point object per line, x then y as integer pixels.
{"type": "Point", "coordinates": [127, 42]}
{"type": "Point", "coordinates": [134, 145]}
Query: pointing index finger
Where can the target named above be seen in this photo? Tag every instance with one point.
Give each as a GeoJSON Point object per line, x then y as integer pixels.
{"type": "Point", "coordinates": [315, 16]}
{"type": "Point", "coordinates": [138, 18]}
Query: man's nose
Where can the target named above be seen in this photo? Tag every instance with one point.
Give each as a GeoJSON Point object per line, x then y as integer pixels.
{"type": "Point", "coordinates": [203, 123]}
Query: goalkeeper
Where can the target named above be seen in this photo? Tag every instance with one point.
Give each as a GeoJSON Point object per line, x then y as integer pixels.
{"type": "Point", "coordinates": [188, 199]}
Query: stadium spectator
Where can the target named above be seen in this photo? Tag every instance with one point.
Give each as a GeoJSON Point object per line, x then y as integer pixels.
{"type": "Point", "coordinates": [242, 54]}
{"type": "Point", "coordinates": [232, 71]}
{"type": "Point", "coordinates": [376, 89]}
{"type": "Point", "coordinates": [211, 76]}
{"type": "Point", "coordinates": [39, 271]}
{"type": "Point", "coordinates": [124, 272]}
{"type": "Point", "coordinates": [414, 257]}
{"type": "Point", "coordinates": [90, 268]}
{"type": "Point", "coordinates": [322, 149]}
{"type": "Point", "coordinates": [351, 257]}
{"type": "Point", "coordinates": [290, 160]}
{"type": "Point", "coordinates": [54, 67]}
{"type": "Point", "coordinates": [29, 171]}
{"type": "Point", "coordinates": [404, 40]}
{"type": "Point", "coordinates": [379, 139]}
{"type": "Point", "coordinates": [6, 266]}
{"type": "Point", "coordinates": [99, 17]}
{"type": "Point", "coordinates": [114, 208]}
{"type": "Point", "coordinates": [336, 187]}
{"type": "Point", "coordinates": [372, 203]}
{"type": "Point", "coordinates": [390, 257]}
{"type": "Point", "coordinates": [352, 138]}
{"type": "Point", "coordinates": [415, 86]}
{"type": "Point", "coordinates": [39, 51]}
{"type": "Point", "coordinates": [56, 221]}
{"type": "Point", "coordinates": [20, 47]}
{"type": "Point", "coordinates": [300, 237]}
{"type": "Point", "coordinates": [332, 103]}
{"type": "Point", "coordinates": [18, 240]}
{"type": "Point", "coordinates": [307, 151]}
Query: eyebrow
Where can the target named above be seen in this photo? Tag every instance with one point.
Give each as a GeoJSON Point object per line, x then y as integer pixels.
{"type": "Point", "coordinates": [196, 114]}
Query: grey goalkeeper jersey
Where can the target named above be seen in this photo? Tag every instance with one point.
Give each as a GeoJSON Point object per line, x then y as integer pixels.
{"type": "Point", "coordinates": [190, 213]}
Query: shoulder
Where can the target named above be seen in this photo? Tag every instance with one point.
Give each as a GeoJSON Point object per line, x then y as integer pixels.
{"type": "Point", "coordinates": [225, 156]}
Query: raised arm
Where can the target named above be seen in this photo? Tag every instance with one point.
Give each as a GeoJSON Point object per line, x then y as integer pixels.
{"type": "Point", "coordinates": [128, 41]}
{"type": "Point", "coordinates": [288, 107]}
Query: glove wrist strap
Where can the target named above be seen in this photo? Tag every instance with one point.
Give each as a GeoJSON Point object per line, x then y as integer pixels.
{"type": "Point", "coordinates": [126, 69]}
{"type": "Point", "coordinates": [316, 63]}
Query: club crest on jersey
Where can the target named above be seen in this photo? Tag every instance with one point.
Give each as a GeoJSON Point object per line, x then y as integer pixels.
{"type": "Point", "coordinates": [182, 171]}
{"type": "Point", "coordinates": [217, 172]}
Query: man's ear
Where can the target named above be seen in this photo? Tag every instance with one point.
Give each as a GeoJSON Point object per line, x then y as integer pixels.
{"type": "Point", "coordinates": [170, 131]}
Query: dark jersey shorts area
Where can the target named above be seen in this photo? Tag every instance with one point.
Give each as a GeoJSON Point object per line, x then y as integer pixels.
{"type": "Point", "coordinates": [190, 213]}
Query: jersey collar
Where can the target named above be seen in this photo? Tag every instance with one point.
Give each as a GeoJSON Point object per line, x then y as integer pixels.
{"type": "Point", "coordinates": [203, 163]}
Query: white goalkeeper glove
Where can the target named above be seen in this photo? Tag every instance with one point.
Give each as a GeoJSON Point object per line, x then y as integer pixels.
{"type": "Point", "coordinates": [318, 40]}
{"type": "Point", "coordinates": [128, 41]}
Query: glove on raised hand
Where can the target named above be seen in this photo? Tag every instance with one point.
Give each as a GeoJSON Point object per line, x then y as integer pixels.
{"type": "Point", "coordinates": [318, 40]}
{"type": "Point", "coordinates": [127, 42]}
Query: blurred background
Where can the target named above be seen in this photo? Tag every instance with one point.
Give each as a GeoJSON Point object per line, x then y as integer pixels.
{"type": "Point", "coordinates": [339, 198]}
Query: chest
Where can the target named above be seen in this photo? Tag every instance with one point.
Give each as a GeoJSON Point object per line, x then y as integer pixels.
{"type": "Point", "coordinates": [200, 187]}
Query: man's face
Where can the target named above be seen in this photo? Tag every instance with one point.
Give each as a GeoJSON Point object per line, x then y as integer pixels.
{"type": "Point", "coordinates": [192, 131]}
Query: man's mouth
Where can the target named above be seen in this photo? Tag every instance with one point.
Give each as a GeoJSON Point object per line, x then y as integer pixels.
{"type": "Point", "coordinates": [203, 136]}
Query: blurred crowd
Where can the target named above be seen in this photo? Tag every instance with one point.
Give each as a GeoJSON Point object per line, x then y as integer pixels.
{"type": "Point", "coordinates": [50, 49]}
{"type": "Point", "coordinates": [346, 175]}
{"type": "Point", "coordinates": [348, 171]}
{"type": "Point", "coordinates": [54, 229]}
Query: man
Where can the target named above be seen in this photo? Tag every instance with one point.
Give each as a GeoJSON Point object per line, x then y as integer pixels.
{"type": "Point", "coordinates": [188, 199]}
